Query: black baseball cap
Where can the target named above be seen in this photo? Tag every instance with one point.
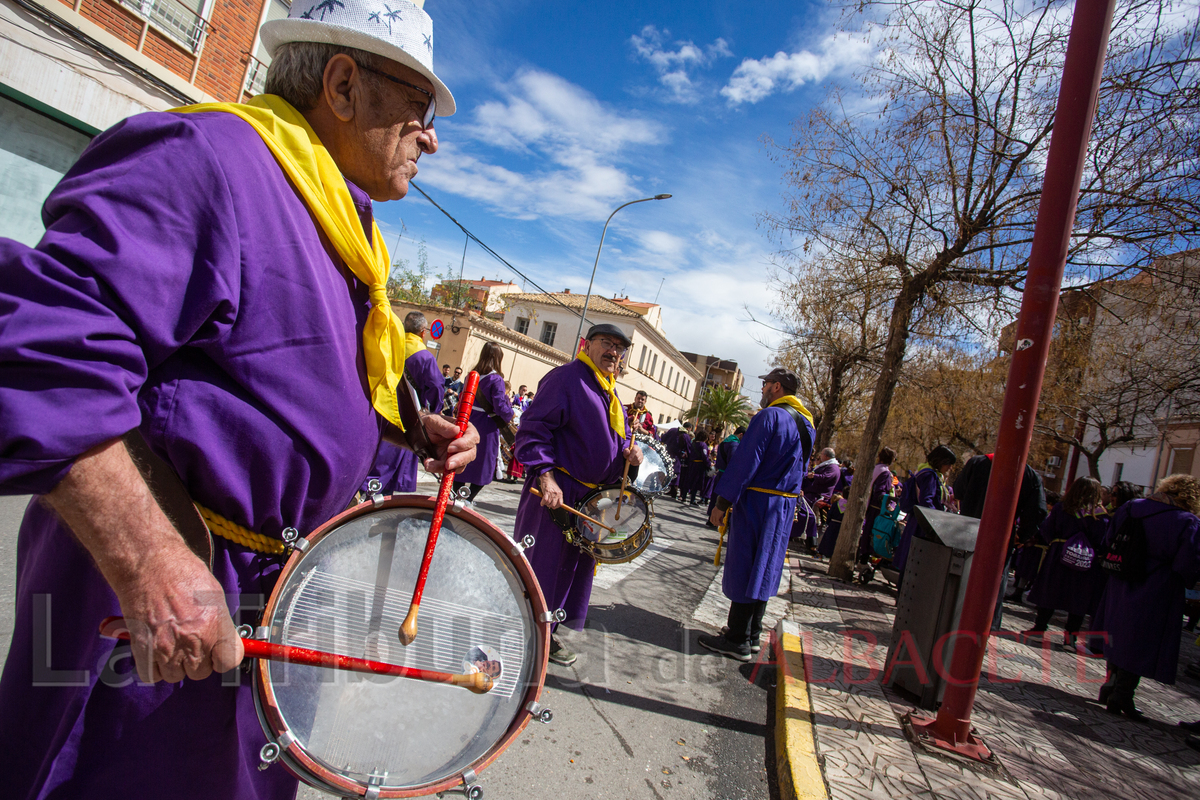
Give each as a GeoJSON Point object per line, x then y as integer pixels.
{"type": "Point", "coordinates": [605, 329]}
{"type": "Point", "coordinates": [784, 377]}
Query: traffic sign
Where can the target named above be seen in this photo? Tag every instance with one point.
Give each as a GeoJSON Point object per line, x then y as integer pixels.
{"type": "Point", "coordinates": [437, 329]}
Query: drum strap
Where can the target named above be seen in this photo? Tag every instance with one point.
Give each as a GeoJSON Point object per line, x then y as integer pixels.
{"type": "Point", "coordinates": [236, 533]}
{"type": "Point", "coordinates": [771, 491]}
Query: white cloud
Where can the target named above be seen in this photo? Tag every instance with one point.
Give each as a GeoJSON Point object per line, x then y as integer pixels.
{"type": "Point", "coordinates": [755, 79]}
{"type": "Point", "coordinates": [565, 151]}
{"type": "Point", "coordinates": [674, 66]}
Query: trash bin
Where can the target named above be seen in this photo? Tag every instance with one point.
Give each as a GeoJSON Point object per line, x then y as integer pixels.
{"type": "Point", "coordinates": [930, 603]}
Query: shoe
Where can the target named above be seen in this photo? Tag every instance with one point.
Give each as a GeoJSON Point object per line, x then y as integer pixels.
{"type": "Point", "coordinates": [559, 654]}
{"type": "Point", "coordinates": [1105, 693]}
{"type": "Point", "coordinates": [1032, 633]}
{"type": "Point", "coordinates": [1192, 671]}
{"type": "Point", "coordinates": [756, 645]}
{"type": "Point", "coordinates": [1192, 727]}
{"type": "Point", "coordinates": [1125, 707]}
{"type": "Point", "coordinates": [719, 644]}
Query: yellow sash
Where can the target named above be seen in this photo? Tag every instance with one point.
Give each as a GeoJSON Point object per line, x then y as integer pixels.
{"type": "Point", "coordinates": [321, 185]}
{"type": "Point", "coordinates": [771, 491]}
{"type": "Point", "coordinates": [616, 411]}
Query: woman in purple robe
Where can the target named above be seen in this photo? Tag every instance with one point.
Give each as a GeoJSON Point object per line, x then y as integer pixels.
{"type": "Point", "coordinates": [490, 410]}
{"type": "Point", "coordinates": [1141, 618]}
{"type": "Point", "coordinates": [1070, 577]}
{"type": "Point", "coordinates": [927, 488]}
{"type": "Point", "coordinates": [881, 492]}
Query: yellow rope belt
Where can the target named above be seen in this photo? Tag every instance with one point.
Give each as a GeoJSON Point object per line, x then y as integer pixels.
{"type": "Point", "coordinates": [771, 491]}
{"type": "Point", "coordinates": [572, 477]}
{"type": "Point", "coordinates": [236, 533]}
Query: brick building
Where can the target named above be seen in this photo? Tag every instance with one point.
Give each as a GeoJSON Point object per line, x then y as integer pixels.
{"type": "Point", "coordinates": [72, 68]}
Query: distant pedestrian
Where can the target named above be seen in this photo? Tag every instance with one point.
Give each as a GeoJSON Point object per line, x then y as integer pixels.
{"type": "Point", "coordinates": [1140, 613]}
{"type": "Point", "coordinates": [927, 488]}
{"type": "Point", "coordinates": [491, 410]}
{"type": "Point", "coordinates": [880, 496]}
{"type": "Point", "coordinates": [725, 451]}
{"type": "Point", "coordinates": [818, 487]}
{"type": "Point", "coordinates": [695, 469]}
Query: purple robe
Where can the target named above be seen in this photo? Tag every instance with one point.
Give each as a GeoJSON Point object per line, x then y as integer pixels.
{"type": "Point", "coordinates": [181, 287]}
{"type": "Point", "coordinates": [922, 489]}
{"type": "Point", "coordinates": [395, 467]}
{"type": "Point", "coordinates": [881, 487]}
{"type": "Point", "coordinates": [1058, 586]}
{"type": "Point", "coordinates": [695, 468]}
{"type": "Point", "coordinates": [1142, 619]}
{"type": "Point", "coordinates": [566, 426]}
{"type": "Point", "coordinates": [482, 470]}
{"type": "Point", "coordinates": [769, 456]}
{"type": "Point", "coordinates": [821, 485]}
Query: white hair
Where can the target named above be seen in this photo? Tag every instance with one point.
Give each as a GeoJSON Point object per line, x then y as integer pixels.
{"type": "Point", "coordinates": [297, 72]}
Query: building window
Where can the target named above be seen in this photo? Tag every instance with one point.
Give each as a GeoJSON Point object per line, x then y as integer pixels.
{"type": "Point", "coordinates": [653, 363]}
{"type": "Point", "coordinates": [670, 372]}
{"type": "Point", "coordinates": [256, 76]}
{"type": "Point", "coordinates": [549, 329]}
{"type": "Point", "coordinates": [676, 388]}
{"type": "Point", "coordinates": [660, 419]}
{"type": "Point", "coordinates": [182, 20]}
{"type": "Point", "coordinates": [523, 325]}
{"type": "Point", "coordinates": [642, 360]}
{"type": "Point", "coordinates": [1181, 463]}
{"type": "Point", "coordinates": [662, 371]}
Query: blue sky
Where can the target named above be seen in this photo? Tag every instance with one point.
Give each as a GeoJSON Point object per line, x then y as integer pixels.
{"type": "Point", "coordinates": [567, 110]}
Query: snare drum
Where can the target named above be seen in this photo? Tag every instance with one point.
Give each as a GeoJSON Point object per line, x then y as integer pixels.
{"type": "Point", "coordinates": [657, 469]}
{"type": "Point", "coordinates": [631, 534]}
{"type": "Point", "coordinates": [347, 592]}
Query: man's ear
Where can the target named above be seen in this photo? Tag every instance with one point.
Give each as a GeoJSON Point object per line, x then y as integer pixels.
{"type": "Point", "coordinates": [341, 82]}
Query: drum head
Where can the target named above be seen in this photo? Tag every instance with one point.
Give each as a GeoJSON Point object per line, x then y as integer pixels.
{"type": "Point", "coordinates": [631, 531]}
{"type": "Point", "coordinates": [348, 594]}
{"type": "Point", "coordinates": [657, 469]}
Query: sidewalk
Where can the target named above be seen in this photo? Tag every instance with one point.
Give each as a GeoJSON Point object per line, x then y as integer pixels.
{"type": "Point", "coordinates": [1038, 715]}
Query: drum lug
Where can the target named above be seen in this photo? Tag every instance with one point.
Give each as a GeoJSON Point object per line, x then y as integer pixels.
{"type": "Point", "coordinates": [374, 486]}
{"type": "Point", "coordinates": [374, 783]}
{"type": "Point", "coordinates": [539, 712]}
{"type": "Point", "coordinates": [377, 499]}
{"type": "Point", "coordinates": [470, 789]}
{"type": "Point", "coordinates": [524, 543]}
{"type": "Point", "coordinates": [268, 755]}
{"type": "Point", "coordinates": [553, 616]}
{"type": "Point", "coordinates": [293, 539]}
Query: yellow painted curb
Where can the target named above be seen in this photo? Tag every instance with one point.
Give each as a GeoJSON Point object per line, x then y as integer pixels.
{"type": "Point", "coordinates": [800, 776]}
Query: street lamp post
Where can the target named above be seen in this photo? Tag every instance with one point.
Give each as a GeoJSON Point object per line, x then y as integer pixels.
{"type": "Point", "coordinates": [583, 317]}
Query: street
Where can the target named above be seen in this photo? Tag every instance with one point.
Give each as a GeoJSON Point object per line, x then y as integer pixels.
{"type": "Point", "coordinates": [644, 712]}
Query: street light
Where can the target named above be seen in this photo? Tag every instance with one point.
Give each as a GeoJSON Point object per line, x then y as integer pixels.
{"type": "Point", "coordinates": [579, 333]}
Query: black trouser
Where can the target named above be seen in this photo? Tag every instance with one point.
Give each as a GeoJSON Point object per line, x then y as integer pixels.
{"type": "Point", "coordinates": [474, 489]}
{"type": "Point", "coordinates": [745, 621]}
{"type": "Point", "coordinates": [1074, 621]}
{"type": "Point", "coordinates": [1120, 686]}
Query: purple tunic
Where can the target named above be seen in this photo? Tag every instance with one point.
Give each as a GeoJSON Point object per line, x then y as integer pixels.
{"type": "Point", "coordinates": [922, 489]}
{"type": "Point", "coordinates": [482, 470]}
{"type": "Point", "coordinates": [395, 467]}
{"type": "Point", "coordinates": [820, 486]}
{"type": "Point", "coordinates": [769, 456]}
{"type": "Point", "coordinates": [1058, 586]}
{"type": "Point", "coordinates": [1142, 620]}
{"type": "Point", "coordinates": [565, 426]}
{"type": "Point", "coordinates": [695, 468]}
{"type": "Point", "coordinates": [181, 287]}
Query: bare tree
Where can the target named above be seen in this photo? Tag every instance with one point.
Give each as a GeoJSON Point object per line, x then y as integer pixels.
{"type": "Point", "coordinates": [932, 172]}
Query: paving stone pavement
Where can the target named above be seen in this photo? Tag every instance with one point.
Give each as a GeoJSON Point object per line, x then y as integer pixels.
{"type": "Point", "coordinates": [1037, 712]}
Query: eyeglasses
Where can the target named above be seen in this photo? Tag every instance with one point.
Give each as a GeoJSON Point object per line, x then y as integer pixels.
{"type": "Point", "coordinates": [609, 344]}
{"type": "Point", "coordinates": [430, 110]}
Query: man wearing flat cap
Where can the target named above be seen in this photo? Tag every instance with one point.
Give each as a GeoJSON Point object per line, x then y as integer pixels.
{"type": "Point", "coordinates": [757, 496]}
{"type": "Point", "coordinates": [211, 289]}
{"type": "Point", "coordinates": [573, 438]}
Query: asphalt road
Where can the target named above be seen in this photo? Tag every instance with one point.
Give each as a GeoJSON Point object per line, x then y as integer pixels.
{"type": "Point", "coordinates": [645, 712]}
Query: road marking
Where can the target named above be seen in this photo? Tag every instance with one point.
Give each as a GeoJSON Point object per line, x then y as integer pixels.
{"type": "Point", "coordinates": [610, 575]}
{"type": "Point", "coordinates": [714, 608]}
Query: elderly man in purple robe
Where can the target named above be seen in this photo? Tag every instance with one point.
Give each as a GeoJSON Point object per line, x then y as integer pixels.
{"type": "Point", "coordinates": [572, 439]}
{"type": "Point", "coordinates": [211, 287]}
{"type": "Point", "coordinates": [818, 487]}
{"type": "Point", "coordinates": [758, 493]}
{"type": "Point", "coordinates": [396, 467]}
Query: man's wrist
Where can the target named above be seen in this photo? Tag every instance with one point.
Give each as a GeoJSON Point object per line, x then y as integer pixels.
{"type": "Point", "coordinates": [723, 504]}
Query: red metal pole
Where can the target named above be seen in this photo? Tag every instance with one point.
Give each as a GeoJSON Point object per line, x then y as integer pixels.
{"type": "Point", "coordinates": [1056, 217]}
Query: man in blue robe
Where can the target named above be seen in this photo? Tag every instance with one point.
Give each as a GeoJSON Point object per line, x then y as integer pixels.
{"type": "Point", "coordinates": [572, 439]}
{"type": "Point", "coordinates": [758, 494]}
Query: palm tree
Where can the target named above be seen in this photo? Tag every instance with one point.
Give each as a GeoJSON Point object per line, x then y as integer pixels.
{"type": "Point", "coordinates": [722, 408]}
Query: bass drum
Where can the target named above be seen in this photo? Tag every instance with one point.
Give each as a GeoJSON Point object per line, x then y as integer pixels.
{"type": "Point", "coordinates": [630, 523]}
{"type": "Point", "coordinates": [657, 469]}
{"type": "Point", "coordinates": [347, 592]}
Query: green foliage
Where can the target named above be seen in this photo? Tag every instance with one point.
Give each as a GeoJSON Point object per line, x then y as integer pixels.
{"type": "Point", "coordinates": [721, 408]}
{"type": "Point", "coordinates": [407, 284]}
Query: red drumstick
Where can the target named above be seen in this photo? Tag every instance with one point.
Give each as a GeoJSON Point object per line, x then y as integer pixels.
{"type": "Point", "coordinates": [477, 682]}
{"type": "Point", "coordinates": [408, 630]}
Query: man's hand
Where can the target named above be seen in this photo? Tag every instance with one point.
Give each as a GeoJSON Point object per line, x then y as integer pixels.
{"type": "Point", "coordinates": [552, 496]}
{"type": "Point", "coordinates": [454, 452]}
{"type": "Point", "coordinates": [633, 454]}
{"type": "Point", "coordinates": [717, 517]}
{"type": "Point", "coordinates": [175, 608]}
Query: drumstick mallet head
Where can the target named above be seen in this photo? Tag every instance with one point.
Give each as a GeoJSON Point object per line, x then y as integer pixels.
{"type": "Point", "coordinates": [408, 629]}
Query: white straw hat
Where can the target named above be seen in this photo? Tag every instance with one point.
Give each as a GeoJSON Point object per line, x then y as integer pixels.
{"type": "Point", "coordinates": [396, 29]}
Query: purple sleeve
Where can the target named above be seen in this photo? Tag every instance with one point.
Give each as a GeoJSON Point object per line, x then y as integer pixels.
{"type": "Point", "coordinates": [1187, 558]}
{"type": "Point", "coordinates": [498, 397]}
{"type": "Point", "coordinates": [927, 490]}
{"type": "Point", "coordinates": [425, 376]}
{"type": "Point", "coordinates": [132, 267]}
{"type": "Point", "coordinates": [534, 445]}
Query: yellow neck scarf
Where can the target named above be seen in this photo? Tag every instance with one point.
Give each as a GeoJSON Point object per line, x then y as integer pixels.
{"type": "Point", "coordinates": [412, 344]}
{"type": "Point", "coordinates": [794, 402]}
{"type": "Point", "coordinates": [616, 411]}
{"type": "Point", "coordinates": [316, 177]}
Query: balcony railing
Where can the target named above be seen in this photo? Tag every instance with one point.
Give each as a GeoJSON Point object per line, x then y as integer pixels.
{"type": "Point", "coordinates": [256, 77]}
{"type": "Point", "coordinates": [172, 18]}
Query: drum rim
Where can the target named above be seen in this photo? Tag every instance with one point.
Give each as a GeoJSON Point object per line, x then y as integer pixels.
{"type": "Point", "coordinates": [297, 760]}
{"type": "Point", "coordinates": [648, 527]}
{"type": "Point", "coordinates": [668, 461]}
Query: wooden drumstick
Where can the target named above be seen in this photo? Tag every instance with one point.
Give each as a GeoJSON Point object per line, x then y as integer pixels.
{"type": "Point", "coordinates": [477, 682]}
{"type": "Point", "coordinates": [624, 483]}
{"type": "Point", "coordinates": [408, 629]}
{"type": "Point", "coordinates": [580, 514]}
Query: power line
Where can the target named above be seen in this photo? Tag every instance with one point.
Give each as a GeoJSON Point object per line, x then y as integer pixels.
{"type": "Point", "coordinates": [490, 251]}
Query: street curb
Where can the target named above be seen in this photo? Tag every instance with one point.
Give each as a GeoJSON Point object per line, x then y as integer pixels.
{"type": "Point", "coordinates": [799, 771]}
